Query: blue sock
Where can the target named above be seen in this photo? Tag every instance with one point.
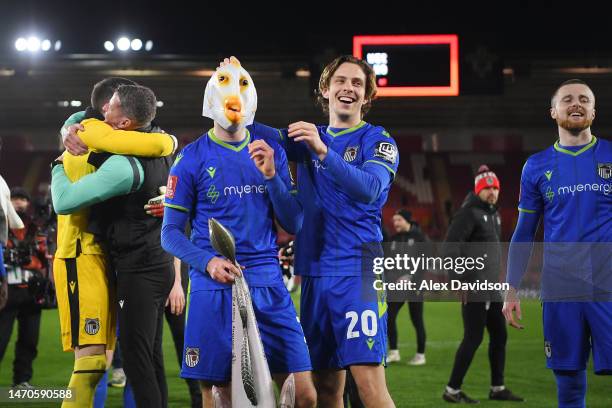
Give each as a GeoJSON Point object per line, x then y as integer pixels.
{"type": "Point", "coordinates": [101, 391]}
{"type": "Point", "coordinates": [128, 396]}
{"type": "Point", "coordinates": [571, 388]}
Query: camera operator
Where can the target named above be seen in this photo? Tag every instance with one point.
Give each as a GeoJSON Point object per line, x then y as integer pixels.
{"type": "Point", "coordinates": [8, 219]}
{"type": "Point", "coordinates": [26, 267]}
{"type": "Point", "coordinates": [45, 219]}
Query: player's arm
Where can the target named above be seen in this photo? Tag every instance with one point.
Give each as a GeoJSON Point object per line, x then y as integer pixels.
{"type": "Point", "coordinates": [176, 298]}
{"type": "Point", "coordinates": [519, 253]}
{"type": "Point", "coordinates": [100, 136]}
{"type": "Point", "coordinates": [531, 207]}
{"type": "Point", "coordinates": [175, 242]}
{"type": "Point", "coordinates": [273, 166]}
{"type": "Point", "coordinates": [180, 199]}
{"type": "Point", "coordinates": [116, 176]}
{"type": "Point", "coordinates": [521, 245]}
{"type": "Point", "coordinates": [364, 183]}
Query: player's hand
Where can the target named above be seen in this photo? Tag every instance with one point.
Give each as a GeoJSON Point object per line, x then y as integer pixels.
{"type": "Point", "coordinates": [308, 133]}
{"type": "Point", "coordinates": [222, 270]}
{"type": "Point", "coordinates": [512, 304]}
{"type": "Point", "coordinates": [176, 299]}
{"type": "Point", "coordinates": [286, 253]}
{"type": "Point", "coordinates": [227, 61]}
{"type": "Point", "coordinates": [263, 157]}
{"type": "Point", "coordinates": [73, 142]}
{"type": "Point", "coordinates": [155, 206]}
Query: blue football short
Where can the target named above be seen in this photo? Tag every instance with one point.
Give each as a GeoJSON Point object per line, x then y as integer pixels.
{"type": "Point", "coordinates": [572, 330]}
{"type": "Point", "coordinates": [207, 352]}
{"type": "Point", "coordinates": [344, 320]}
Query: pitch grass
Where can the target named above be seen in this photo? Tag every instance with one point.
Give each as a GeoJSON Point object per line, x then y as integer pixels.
{"type": "Point", "coordinates": [409, 386]}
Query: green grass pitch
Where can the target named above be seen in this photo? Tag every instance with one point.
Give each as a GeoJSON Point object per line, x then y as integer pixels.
{"type": "Point", "coordinates": [409, 386]}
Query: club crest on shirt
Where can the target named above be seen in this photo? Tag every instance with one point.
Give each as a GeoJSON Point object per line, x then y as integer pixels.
{"type": "Point", "coordinates": [386, 151]}
{"type": "Point", "coordinates": [350, 153]}
{"type": "Point", "coordinates": [92, 326]}
{"type": "Point", "coordinates": [547, 349]}
{"type": "Point", "coordinates": [604, 170]}
{"type": "Point", "coordinates": [192, 356]}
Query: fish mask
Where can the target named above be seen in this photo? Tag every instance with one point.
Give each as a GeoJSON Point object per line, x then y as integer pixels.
{"type": "Point", "coordinates": [230, 98]}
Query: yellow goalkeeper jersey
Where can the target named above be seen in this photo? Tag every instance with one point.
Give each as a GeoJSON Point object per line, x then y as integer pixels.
{"type": "Point", "coordinates": [99, 136]}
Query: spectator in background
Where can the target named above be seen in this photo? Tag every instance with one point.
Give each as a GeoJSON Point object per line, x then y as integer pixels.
{"type": "Point", "coordinates": [478, 221]}
{"type": "Point", "coordinates": [25, 259]}
{"type": "Point", "coordinates": [407, 233]}
{"type": "Point", "coordinates": [8, 219]}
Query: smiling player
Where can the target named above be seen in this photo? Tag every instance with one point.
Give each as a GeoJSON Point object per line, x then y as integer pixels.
{"type": "Point", "coordinates": [344, 175]}
{"type": "Point", "coordinates": [570, 186]}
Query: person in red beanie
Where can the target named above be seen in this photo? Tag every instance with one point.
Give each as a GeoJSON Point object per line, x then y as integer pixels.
{"type": "Point", "coordinates": [478, 221]}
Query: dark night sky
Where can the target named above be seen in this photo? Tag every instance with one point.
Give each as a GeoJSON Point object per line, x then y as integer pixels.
{"type": "Point", "coordinates": [180, 26]}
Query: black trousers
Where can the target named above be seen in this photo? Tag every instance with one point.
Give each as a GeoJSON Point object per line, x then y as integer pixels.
{"type": "Point", "coordinates": [21, 307]}
{"type": "Point", "coordinates": [475, 318]}
{"type": "Point", "coordinates": [142, 297]}
{"type": "Point", "coordinates": [177, 328]}
{"type": "Point", "coordinates": [416, 315]}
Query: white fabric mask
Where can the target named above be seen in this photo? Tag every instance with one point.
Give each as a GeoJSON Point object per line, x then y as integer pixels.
{"type": "Point", "coordinates": [230, 98]}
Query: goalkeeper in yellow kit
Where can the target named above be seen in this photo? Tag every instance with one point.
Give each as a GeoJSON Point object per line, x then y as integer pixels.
{"type": "Point", "coordinates": [83, 281]}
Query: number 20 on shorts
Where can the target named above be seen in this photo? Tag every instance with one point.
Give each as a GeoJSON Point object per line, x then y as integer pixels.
{"type": "Point", "coordinates": [369, 324]}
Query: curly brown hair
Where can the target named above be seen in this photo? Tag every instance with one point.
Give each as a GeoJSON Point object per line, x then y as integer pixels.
{"type": "Point", "coordinates": [330, 69]}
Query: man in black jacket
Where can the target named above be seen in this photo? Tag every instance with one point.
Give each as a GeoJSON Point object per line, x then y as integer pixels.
{"type": "Point", "coordinates": [478, 221]}
{"type": "Point", "coordinates": [407, 234]}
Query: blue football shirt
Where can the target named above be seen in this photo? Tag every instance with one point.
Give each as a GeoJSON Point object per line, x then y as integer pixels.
{"type": "Point", "coordinates": [213, 178]}
{"type": "Point", "coordinates": [335, 227]}
{"type": "Point", "coordinates": [572, 189]}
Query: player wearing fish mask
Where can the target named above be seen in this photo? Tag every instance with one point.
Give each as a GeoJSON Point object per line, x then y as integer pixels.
{"type": "Point", "coordinates": [231, 174]}
{"type": "Point", "coordinates": [230, 98]}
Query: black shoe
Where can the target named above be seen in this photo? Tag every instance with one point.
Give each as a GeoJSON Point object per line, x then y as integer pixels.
{"type": "Point", "coordinates": [504, 395]}
{"type": "Point", "coordinates": [458, 398]}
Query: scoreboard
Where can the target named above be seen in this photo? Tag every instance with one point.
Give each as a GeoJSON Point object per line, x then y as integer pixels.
{"type": "Point", "coordinates": [412, 65]}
